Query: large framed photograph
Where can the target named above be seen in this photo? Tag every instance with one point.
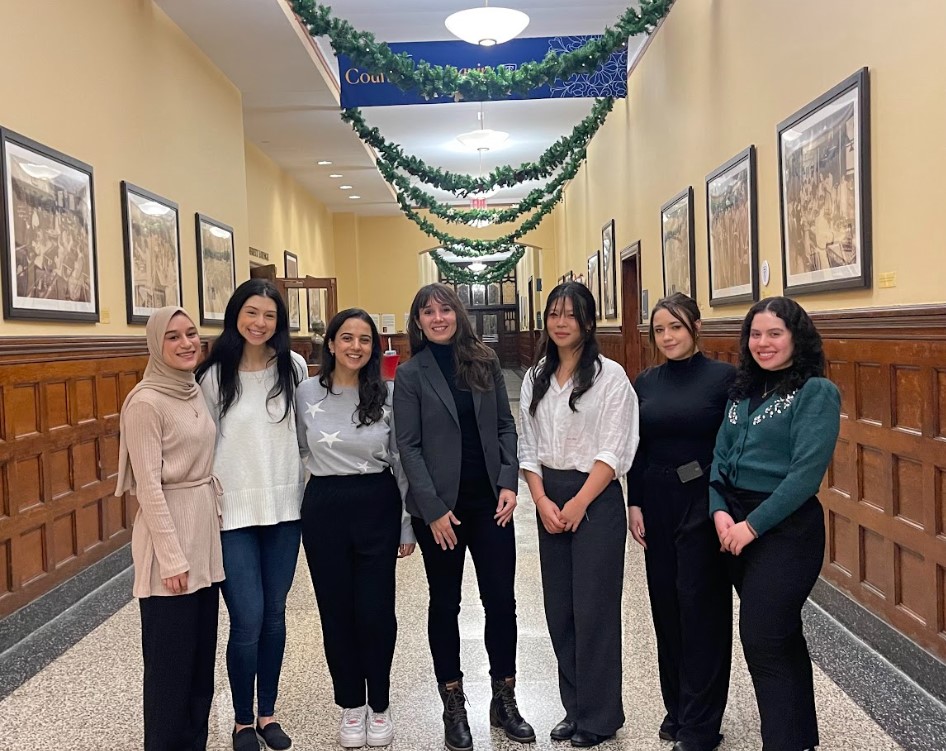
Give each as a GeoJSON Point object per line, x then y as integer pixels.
{"type": "Point", "coordinates": [594, 280]}
{"type": "Point", "coordinates": [47, 233]}
{"type": "Point", "coordinates": [732, 230]}
{"type": "Point", "coordinates": [152, 237]}
{"type": "Point", "coordinates": [609, 280]}
{"type": "Point", "coordinates": [216, 268]}
{"type": "Point", "coordinates": [291, 260]}
{"type": "Point", "coordinates": [824, 191]}
{"type": "Point", "coordinates": [677, 244]}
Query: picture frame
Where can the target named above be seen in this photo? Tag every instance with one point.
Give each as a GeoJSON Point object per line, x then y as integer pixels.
{"type": "Point", "coordinates": [151, 231]}
{"type": "Point", "coordinates": [316, 308]}
{"type": "Point", "coordinates": [677, 244]}
{"type": "Point", "coordinates": [609, 279]}
{"type": "Point", "coordinates": [47, 233]}
{"type": "Point", "coordinates": [732, 230]}
{"type": "Point", "coordinates": [594, 280]}
{"type": "Point", "coordinates": [216, 268]}
{"type": "Point", "coordinates": [291, 263]}
{"type": "Point", "coordinates": [825, 191]}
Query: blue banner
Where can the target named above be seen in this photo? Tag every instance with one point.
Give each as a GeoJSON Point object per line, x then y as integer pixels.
{"type": "Point", "coordinates": [363, 89]}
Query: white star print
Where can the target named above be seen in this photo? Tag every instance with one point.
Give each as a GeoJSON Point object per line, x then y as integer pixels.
{"type": "Point", "coordinates": [313, 408]}
{"type": "Point", "coordinates": [363, 467]}
{"type": "Point", "coordinates": [330, 438]}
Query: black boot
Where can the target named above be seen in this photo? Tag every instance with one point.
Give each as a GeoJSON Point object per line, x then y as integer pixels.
{"type": "Point", "coordinates": [456, 728]}
{"type": "Point", "coordinates": [504, 712]}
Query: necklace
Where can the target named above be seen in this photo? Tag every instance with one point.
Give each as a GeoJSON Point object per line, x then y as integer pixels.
{"type": "Point", "coordinates": [767, 390]}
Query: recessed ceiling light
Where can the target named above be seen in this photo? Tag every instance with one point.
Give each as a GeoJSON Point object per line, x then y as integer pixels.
{"type": "Point", "coordinates": [323, 162]}
{"type": "Point", "coordinates": [354, 198]}
{"type": "Point", "coordinates": [344, 187]}
{"type": "Point", "coordinates": [335, 175]}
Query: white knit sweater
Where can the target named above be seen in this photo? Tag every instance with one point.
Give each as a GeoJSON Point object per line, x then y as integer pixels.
{"type": "Point", "coordinates": [257, 456]}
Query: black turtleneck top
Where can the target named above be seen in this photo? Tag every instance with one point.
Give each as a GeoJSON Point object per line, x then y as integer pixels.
{"type": "Point", "coordinates": [682, 403]}
{"type": "Point", "coordinates": [473, 474]}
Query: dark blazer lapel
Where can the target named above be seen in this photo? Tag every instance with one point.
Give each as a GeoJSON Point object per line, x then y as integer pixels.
{"type": "Point", "coordinates": [438, 383]}
{"type": "Point", "coordinates": [477, 401]}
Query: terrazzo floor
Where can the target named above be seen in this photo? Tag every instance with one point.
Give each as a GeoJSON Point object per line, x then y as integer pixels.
{"type": "Point", "coordinates": [90, 698]}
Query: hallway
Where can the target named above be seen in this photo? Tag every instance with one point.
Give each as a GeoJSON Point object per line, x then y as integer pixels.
{"type": "Point", "coordinates": [89, 698]}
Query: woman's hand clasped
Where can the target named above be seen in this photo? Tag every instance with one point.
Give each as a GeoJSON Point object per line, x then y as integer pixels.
{"type": "Point", "coordinates": [550, 515]}
{"type": "Point", "coordinates": [442, 530]}
{"type": "Point", "coordinates": [572, 514]}
{"type": "Point", "coordinates": [737, 537]}
{"type": "Point", "coordinates": [507, 504]}
{"type": "Point", "coordinates": [176, 584]}
{"type": "Point", "coordinates": [635, 525]}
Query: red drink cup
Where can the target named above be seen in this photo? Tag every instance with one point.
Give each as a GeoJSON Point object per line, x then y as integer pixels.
{"type": "Point", "coordinates": [389, 364]}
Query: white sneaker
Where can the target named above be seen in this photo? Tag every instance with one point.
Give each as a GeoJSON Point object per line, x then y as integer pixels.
{"type": "Point", "coordinates": [380, 727]}
{"type": "Point", "coordinates": [351, 731]}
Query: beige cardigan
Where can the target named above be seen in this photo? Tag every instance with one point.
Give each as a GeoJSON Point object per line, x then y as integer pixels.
{"type": "Point", "coordinates": [170, 444]}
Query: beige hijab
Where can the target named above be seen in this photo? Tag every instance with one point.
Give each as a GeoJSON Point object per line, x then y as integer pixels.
{"type": "Point", "coordinates": [159, 376]}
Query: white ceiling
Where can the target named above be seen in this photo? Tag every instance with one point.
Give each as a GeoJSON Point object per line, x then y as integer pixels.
{"type": "Point", "coordinates": [290, 91]}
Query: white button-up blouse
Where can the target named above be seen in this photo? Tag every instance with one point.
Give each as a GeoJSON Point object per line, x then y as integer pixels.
{"type": "Point", "coordinates": [605, 427]}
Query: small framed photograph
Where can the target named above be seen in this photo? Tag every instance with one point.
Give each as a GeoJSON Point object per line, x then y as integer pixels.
{"type": "Point", "coordinates": [152, 238]}
{"type": "Point", "coordinates": [594, 280]}
{"type": "Point", "coordinates": [47, 233]}
{"type": "Point", "coordinates": [609, 280]}
{"type": "Point", "coordinates": [732, 230]}
{"type": "Point", "coordinates": [216, 268]}
{"type": "Point", "coordinates": [677, 244]}
{"type": "Point", "coordinates": [291, 261]}
{"type": "Point", "coordinates": [824, 191]}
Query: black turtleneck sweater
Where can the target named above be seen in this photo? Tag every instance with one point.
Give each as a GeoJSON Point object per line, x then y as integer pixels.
{"type": "Point", "coordinates": [681, 407]}
{"type": "Point", "coordinates": [473, 474]}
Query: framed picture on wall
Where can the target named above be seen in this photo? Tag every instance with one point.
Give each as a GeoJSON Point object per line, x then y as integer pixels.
{"type": "Point", "coordinates": [609, 280]}
{"type": "Point", "coordinates": [317, 308]}
{"type": "Point", "coordinates": [677, 244]}
{"type": "Point", "coordinates": [216, 268]}
{"type": "Point", "coordinates": [732, 230]}
{"type": "Point", "coordinates": [47, 233]}
{"type": "Point", "coordinates": [824, 191]}
{"type": "Point", "coordinates": [152, 239]}
{"type": "Point", "coordinates": [594, 279]}
{"type": "Point", "coordinates": [291, 261]}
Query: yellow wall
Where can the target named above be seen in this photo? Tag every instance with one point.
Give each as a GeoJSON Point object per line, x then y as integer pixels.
{"type": "Point", "coordinates": [377, 261]}
{"type": "Point", "coordinates": [116, 85]}
{"type": "Point", "coordinates": [720, 75]}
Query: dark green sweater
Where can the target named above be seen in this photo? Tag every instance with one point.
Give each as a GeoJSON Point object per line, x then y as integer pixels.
{"type": "Point", "coordinates": [782, 448]}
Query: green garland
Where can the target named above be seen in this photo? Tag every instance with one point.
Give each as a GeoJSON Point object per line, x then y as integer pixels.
{"type": "Point", "coordinates": [431, 81]}
{"type": "Point", "coordinates": [502, 177]}
{"type": "Point", "coordinates": [461, 275]}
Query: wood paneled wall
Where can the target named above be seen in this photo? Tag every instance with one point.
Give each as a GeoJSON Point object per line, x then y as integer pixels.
{"type": "Point", "coordinates": [59, 407]}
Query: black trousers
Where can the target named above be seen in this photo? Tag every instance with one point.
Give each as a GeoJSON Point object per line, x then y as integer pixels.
{"type": "Point", "coordinates": [582, 581]}
{"type": "Point", "coordinates": [494, 555]}
{"type": "Point", "coordinates": [774, 576]}
{"type": "Point", "coordinates": [179, 646]}
{"type": "Point", "coordinates": [351, 527]}
{"type": "Point", "coordinates": [691, 602]}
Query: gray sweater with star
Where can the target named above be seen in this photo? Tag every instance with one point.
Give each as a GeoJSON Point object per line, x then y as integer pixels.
{"type": "Point", "coordinates": [333, 443]}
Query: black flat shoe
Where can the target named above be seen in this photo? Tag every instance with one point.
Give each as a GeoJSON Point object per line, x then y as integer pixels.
{"type": "Point", "coordinates": [245, 740]}
{"type": "Point", "coordinates": [274, 737]}
{"type": "Point", "coordinates": [564, 730]}
{"type": "Point", "coordinates": [692, 746]}
{"type": "Point", "coordinates": [665, 735]}
{"type": "Point", "coordinates": [587, 739]}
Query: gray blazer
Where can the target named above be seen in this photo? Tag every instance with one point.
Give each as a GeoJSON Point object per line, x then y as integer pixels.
{"type": "Point", "coordinates": [429, 441]}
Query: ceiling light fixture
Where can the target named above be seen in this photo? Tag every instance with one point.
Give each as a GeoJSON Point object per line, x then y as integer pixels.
{"type": "Point", "coordinates": [354, 198]}
{"type": "Point", "coordinates": [335, 175]}
{"type": "Point", "coordinates": [487, 26]}
{"type": "Point", "coordinates": [40, 171]}
{"type": "Point", "coordinates": [153, 208]}
{"type": "Point", "coordinates": [483, 139]}
{"type": "Point", "coordinates": [477, 267]}
{"type": "Point", "coordinates": [344, 187]}
{"type": "Point", "coordinates": [323, 162]}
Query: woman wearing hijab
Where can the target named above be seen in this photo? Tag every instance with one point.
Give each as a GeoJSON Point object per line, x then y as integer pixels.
{"type": "Point", "coordinates": [166, 460]}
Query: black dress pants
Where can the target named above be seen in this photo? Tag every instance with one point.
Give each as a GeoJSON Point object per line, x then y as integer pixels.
{"type": "Point", "coordinates": [691, 602]}
{"type": "Point", "coordinates": [351, 527]}
{"type": "Point", "coordinates": [774, 576]}
{"type": "Point", "coordinates": [179, 646]}
{"type": "Point", "coordinates": [494, 555]}
{"type": "Point", "coordinates": [582, 583]}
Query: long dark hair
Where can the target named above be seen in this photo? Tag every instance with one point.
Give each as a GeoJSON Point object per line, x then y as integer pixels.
{"type": "Point", "coordinates": [473, 359]}
{"type": "Point", "coordinates": [227, 350]}
{"type": "Point", "coordinates": [547, 358]}
{"type": "Point", "coordinates": [684, 309]}
{"type": "Point", "coordinates": [372, 390]}
{"type": "Point", "coordinates": [807, 355]}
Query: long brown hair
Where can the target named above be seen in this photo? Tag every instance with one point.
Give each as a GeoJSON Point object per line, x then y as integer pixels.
{"type": "Point", "coordinates": [473, 359]}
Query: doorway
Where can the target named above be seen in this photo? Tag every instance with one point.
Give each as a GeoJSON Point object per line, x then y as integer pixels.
{"type": "Point", "coordinates": [631, 308]}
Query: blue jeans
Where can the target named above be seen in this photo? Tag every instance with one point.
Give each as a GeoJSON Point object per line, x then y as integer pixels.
{"type": "Point", "coordinates": [260, 563]}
